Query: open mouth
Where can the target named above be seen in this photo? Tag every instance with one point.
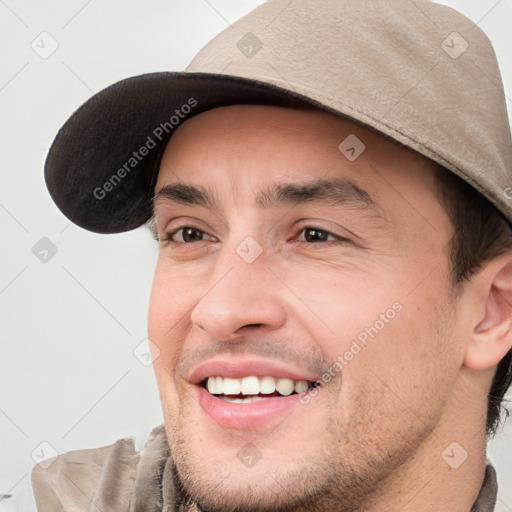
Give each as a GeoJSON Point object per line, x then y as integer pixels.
{"type": "Point", "coordinates": [254, 388]}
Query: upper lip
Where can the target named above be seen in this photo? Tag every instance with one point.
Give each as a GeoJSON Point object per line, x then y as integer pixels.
{"type": "Point", "coordinates": [236, 367]}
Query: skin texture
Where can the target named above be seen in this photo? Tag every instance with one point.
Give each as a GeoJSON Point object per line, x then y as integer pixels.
{"type": "Point", "coordinates": [372, 438]}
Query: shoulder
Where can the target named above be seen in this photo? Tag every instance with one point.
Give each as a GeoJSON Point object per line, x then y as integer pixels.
{"type": "Point", "coordinates": [75, 479]}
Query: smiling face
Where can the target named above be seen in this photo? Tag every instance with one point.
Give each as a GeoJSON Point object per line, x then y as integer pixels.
{"type": "Point", "coordinates": [282, 264]}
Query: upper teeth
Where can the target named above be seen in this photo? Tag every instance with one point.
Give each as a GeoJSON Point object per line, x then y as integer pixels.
{"type": "Point", "coordinates": [253, 385]}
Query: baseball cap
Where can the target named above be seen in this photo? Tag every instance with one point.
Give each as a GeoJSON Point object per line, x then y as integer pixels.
{"type": "Point", "coordinates": [417, 72]}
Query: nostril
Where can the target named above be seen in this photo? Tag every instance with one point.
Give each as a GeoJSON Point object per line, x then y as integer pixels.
{"type": "Point", "coordinates": [247, 326]}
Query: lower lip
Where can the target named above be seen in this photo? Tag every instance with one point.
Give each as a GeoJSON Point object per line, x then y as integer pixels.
{"type": "Point", "coordinates": [248, 416]}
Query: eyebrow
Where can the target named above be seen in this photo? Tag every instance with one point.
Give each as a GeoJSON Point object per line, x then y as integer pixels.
{"type": "Point", "coordinates": [337, 191]}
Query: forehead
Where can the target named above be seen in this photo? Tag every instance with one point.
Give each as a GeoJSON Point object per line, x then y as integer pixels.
{"type": "Point", "coordinates": [263, 148]}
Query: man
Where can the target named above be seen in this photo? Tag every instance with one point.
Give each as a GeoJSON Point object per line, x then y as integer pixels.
{"type": "Point", "coordinates": [331, 312]}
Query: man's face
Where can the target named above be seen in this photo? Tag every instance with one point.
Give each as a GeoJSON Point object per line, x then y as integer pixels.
{"type": "Point", "coordinates": [304, 265]}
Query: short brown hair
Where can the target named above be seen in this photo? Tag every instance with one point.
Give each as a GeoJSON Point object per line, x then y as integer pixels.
{"type": "Point", "coordinates": [481, 233]}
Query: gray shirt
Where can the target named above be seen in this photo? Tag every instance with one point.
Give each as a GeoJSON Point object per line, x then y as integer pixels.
{"type": "Point", "coordinates": [115, 478]}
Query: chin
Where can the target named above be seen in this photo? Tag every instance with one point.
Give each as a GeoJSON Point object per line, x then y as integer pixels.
{"type": "Point", "coordinates": [224, 487]}
{"type": "Point", "coordinates": [233, 471]}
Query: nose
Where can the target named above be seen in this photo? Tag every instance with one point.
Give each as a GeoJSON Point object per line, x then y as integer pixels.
{"type": "Point", "coordinates": [240, 296]}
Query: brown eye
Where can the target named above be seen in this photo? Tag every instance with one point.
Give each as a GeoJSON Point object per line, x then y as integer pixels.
{"type": "Point", "coordinates": [313, 234]}
{"type": "Point", "coordinates": [190, 234]}
{"type": "Point", "coordinates": [186, 235]}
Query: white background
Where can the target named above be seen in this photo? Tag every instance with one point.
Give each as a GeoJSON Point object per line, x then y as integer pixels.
{"type": "Point", "coordinates": [69, 326]}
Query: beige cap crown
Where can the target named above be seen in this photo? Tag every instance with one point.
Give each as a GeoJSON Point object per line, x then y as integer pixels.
{"type": "Point", "coordinates": [419, 72]}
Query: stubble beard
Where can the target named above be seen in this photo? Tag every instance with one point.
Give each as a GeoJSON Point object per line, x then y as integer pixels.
{"type": "Point", "coordinates": [348, 474]}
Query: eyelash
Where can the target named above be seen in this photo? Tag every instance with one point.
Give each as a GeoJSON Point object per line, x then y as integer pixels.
{"type": "Point", "coordinates": [167, 238]}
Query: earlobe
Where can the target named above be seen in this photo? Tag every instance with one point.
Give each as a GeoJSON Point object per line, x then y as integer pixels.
{"type": "Point", "coordinates": [491, 335]}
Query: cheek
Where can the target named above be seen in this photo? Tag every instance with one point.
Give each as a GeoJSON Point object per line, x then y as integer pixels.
{"type": "Point", "coordinates": [412, 363]}
{"type": "Point", "coordinates": [167, 323]}
{"type": "Point", "coordinates": [386, 327]}
{"type": "Point", "coordinates": [343, 304]}
{"type": "Point", "coordinates": [168, 302]}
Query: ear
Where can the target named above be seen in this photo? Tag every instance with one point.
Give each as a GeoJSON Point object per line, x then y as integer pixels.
{"type": "Point", "coordinates": [491, 315]}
